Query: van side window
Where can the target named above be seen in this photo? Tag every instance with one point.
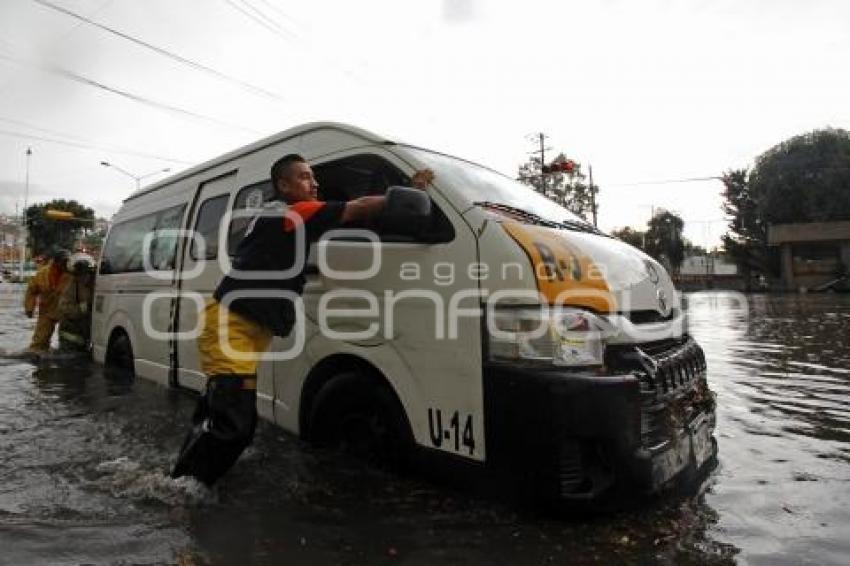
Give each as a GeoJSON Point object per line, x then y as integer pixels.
{"type": "Point", "coordinates": [367, 174]}
{"type": "Point", "coordinates": [164, 245]}
{"type": "Point", "coordinates": [125, 243]}
{"type": "Point", "coordinates": [207, 225]}
{"type": "Point", "coordinates": [123, 250]}
{"type": "Point", "coordinates": [249, 200]}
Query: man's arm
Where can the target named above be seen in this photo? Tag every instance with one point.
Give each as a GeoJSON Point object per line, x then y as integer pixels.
{"type": "Point", "coordinates": [67, 306]}
{"type": "Point", "coordinates": [362, 209]}
{"type": "Point", "coordinates": [31, 296]}
{"type": "Point", "coordinates": [368, 208]}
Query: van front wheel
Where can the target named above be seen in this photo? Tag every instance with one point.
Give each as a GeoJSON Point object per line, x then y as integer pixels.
{"type": "Point", "coordinates": [119, 354]}
{"type": "Point", "coordinates": [362, 416]}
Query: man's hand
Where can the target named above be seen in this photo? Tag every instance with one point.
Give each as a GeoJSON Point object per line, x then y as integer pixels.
{"type": "Point", "coordinates": [29, 314]}
{"type": "Point", "coordinates": [422, 178]}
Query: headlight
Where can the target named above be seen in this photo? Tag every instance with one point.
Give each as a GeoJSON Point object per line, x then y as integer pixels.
{"type": "Point", "coordinates": [558, 336]}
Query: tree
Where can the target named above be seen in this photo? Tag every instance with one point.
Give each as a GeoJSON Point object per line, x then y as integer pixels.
{"type": "Point", "coordinates": [692, 249]}
{"type": "Point", "coordinates": [664, 239]}
{"type": "Point", "coordinates": [746, 240]}
{"type": "Point", "coordinates": [631, 236]}
{"type": "Point", "coordinates": [804, 179]}
{"type": "Point", "coordinates": [92, 241]}
{"type": "Point", "coordinates": [568, 189]}
{"type": "Point", "coordinates": [45, 233]}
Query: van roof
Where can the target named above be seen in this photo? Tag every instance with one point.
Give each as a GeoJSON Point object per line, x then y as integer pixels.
{"type": "Point", "coordinates": [260, 144]}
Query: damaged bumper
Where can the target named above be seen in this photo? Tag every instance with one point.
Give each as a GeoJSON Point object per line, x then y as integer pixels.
{"type": "Point", "coordinates": [574, 435]}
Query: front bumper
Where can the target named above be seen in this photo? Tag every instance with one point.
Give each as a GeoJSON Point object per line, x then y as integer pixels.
{"type": "Point", "coordinates": [573, 435]}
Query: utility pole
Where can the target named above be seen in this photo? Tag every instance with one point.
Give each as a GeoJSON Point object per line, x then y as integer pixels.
{"type": "Point", "coordinates": [541, 140]}
{"type": "Point", "coordinates": [592, 193]}
{"type": "Point", "coordinates": [24, 214]}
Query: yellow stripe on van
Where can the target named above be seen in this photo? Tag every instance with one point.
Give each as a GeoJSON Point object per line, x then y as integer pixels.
{"type": "Point", "coordinates": [564, 274]}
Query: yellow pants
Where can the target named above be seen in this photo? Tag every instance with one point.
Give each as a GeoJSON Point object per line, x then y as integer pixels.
{"type": "Point", "coordinates": [230, 343]}
{"type": "Point", "coordinates": [44, 327]}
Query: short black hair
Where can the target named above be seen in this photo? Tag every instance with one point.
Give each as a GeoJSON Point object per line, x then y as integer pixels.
{"type": "Point", "coordinates": [280, 167]}
{"type": "Point", "coordinates": [59, 254]}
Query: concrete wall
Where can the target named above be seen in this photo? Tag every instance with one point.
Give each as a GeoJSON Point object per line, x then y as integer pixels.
{"type": "Point", "coordinates": [808, 232]}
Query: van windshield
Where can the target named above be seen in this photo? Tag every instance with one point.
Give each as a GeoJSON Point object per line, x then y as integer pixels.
{"type": "Point", "coordinates": [493, 190]}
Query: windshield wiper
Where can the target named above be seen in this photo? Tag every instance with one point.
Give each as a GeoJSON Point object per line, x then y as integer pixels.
{"type": "Point", "coordinates": [581, 227]}
{"type": "Point", "coordinates": [538, 220]}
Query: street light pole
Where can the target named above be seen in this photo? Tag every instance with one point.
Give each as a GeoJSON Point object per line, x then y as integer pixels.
{"type": "Point", "coordinates": [24, 214]}
{"type": "Point", "coordinates": [137, 178]}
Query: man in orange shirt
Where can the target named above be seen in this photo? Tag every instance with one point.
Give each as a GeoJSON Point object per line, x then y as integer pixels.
{"type": "Point", "coordinates": [226, 414]}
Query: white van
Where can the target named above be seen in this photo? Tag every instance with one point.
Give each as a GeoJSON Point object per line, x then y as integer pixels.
{"type": "Point", "coordinates": [507, 336]}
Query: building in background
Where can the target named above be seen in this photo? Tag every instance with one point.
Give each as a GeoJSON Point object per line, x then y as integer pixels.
{"type": "Point", "coordinates": [815, 255]}
{"type": "Point", "coordinates": [710, 271]}
{"type": "Point", "coordinates": [707, 265]}
{"type": "Point", "coordinates": [10, 238]}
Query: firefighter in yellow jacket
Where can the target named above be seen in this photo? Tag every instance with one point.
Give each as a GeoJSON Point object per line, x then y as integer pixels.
{"type": "Point", "coordinates": [75, 305]}
{"type": "Point", "coordinates": [43, 291]}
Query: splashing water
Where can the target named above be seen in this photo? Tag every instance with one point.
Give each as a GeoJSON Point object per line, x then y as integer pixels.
{"type": "Point", "coordinates": [126, 479]}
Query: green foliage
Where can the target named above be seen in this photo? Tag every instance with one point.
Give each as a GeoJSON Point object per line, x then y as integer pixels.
{"type": "Point", "coordinates": [567, 189]}
{"type": "Point", "coordinates": [746, 241]}
{"type": "Point", "coordinates": [692, 249]}
{"type": "Point", "coordinates": [664, 240]}
{"type": "Point", "coordinates": [93, 240]}
{"type": "Point", "coordinates": [631, 236]}
{"type": "Point", "coordinates": [804, 179]}
{"type": "Point", "coordinates": [44, 232]}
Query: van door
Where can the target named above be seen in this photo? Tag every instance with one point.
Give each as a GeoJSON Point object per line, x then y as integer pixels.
{"type": "Point", "coordinates": [133, 292]}
{"type": "Point", "coordinates": [200, 274]}
{"type": "Point", "coordinates": [426, 338]}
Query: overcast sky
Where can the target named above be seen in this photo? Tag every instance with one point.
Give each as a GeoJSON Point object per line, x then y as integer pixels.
{"type": "Point", "coordinates": [643, 91]}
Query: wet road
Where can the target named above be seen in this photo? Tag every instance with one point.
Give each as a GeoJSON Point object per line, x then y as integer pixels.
{"type": "Point", "coordinates": [83, 458]}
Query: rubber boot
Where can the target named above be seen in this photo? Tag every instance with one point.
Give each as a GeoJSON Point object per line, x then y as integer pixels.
{"type": "Point", "coordinates": [223, 426]}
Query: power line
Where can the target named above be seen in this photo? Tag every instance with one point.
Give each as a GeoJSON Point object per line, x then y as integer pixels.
{"type": "Point", "coordinates": [711, 178]}
{"type": "Point", "coordinates": [260, 17]}
{"type": "Point", "coordinates": [271, 25]}
{"type": "Point", "coordinates": [57, 40]}
{"type": "Point", "coordinates": [83, 144]}
{"type": "Point", "coordinates": [65, 73]}
{"type": "Point", "coordinates": [283, 14]}
{"type": "Point", "coordinates": [163, 52]}
{"type": "Point", "coordinates": [666, 181]}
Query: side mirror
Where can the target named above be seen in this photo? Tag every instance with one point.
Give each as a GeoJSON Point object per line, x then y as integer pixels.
{"type": "Point", "coordinates": [407, 211]}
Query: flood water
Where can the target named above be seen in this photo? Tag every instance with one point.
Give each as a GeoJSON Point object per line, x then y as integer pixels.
{"type": "Point", "coordinates": [84, 461]}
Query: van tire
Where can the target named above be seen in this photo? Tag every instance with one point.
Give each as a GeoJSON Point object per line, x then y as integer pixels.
{"type": "Point", "coordinates": [119, 354]}
{"type": "Point", "coordinates": [361, 415]}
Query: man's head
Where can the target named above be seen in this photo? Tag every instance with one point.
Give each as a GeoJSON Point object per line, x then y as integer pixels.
{"type": "Point", "coordinates": [80, 264]}
{"type": "Point", "coordinates": [59, 256]}
{"type": "Point", "coordinates": [293, 179]}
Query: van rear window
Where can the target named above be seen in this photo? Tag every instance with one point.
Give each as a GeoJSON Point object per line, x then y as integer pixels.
{"type": "Point", "coordinates": [124, 249]}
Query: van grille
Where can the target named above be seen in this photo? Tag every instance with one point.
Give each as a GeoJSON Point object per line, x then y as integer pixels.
{"type": "Point", "coordinates": [674, 389]}
{"type": "Point", "coordinates": [649, 316]}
